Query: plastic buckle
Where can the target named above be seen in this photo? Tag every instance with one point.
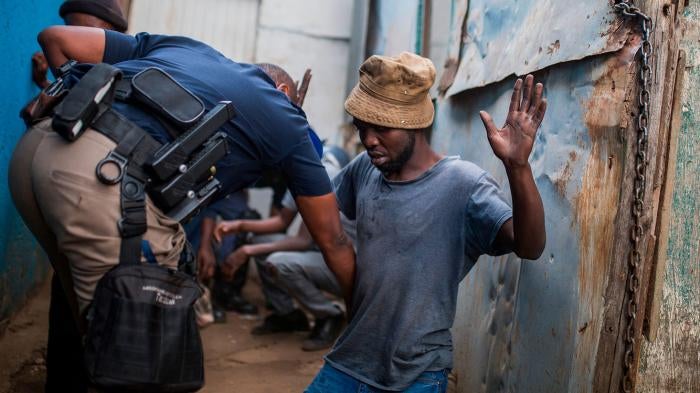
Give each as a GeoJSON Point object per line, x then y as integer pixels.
{"type": "Point", "coordinates": [115, 159]}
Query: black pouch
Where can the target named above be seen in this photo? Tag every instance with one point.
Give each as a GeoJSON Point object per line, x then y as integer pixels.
{"type": "Point", "coordinates": [158, 91]}
{"type": "Point", "coordinates": [142, 334]}
{"type": "Point", "coordinates": [77, 110]}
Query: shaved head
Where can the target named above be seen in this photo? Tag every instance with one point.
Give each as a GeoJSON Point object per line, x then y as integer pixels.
{"type": "Point", "coordinates": [280, 76]}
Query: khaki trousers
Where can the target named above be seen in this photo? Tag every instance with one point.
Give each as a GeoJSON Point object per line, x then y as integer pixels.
{"type": "Point", "coordinates": [73, 215]}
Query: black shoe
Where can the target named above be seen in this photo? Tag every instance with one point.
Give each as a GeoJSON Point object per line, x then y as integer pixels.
{"type": "Point", "coordinates": [325, 332]}
{"type": "Point", "coordinates": [238, 304]}
{"type": "Point", "coordinates": [295, 321]}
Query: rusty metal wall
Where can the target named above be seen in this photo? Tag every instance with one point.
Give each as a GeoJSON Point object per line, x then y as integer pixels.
{"type": "Point", "coordinates": [533, 326]}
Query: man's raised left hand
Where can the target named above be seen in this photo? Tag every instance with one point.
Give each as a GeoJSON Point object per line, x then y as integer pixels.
{"type": "Point", "coordinates": [513, 143]}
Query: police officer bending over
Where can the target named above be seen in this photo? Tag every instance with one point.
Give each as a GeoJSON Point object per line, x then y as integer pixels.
{"type": "Point", "coordinates": [72, 203]}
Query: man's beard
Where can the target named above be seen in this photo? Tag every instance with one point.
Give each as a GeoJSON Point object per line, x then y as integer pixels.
{"type": "Point", "coordinates": [396, 164]}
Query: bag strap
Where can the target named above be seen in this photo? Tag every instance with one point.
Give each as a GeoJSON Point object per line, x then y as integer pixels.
{"type": "Point", "coordinates": [133, 150]}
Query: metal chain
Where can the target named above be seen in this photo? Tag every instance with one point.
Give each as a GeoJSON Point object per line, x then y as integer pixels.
{"type": "Point", "coordinates": [627, 9]}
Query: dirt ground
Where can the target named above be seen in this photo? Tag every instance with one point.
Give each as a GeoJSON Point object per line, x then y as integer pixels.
{"type": "Point", "coordinates": [235, 361]}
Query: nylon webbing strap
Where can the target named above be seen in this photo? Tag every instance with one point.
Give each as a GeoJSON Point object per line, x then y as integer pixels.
{"type": "Point", "coordinates": [133, 224]}
{"type": "Point", "coordinates": [131, 140]}
{"type": "Point", "coordinates": [134, 148]}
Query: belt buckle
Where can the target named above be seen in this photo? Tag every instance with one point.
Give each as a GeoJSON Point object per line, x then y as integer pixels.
{"type": "Point", "coordinates": [115, 159]}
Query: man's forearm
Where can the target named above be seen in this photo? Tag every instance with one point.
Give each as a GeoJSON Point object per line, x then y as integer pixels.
{"type": "Point", "coordinates": [322, 219]}
{"type": "Point", "coordinates": [206, 232]}
{"type": "Point", "coordinates": [341, 261]}
{"type": "Point", "coordinates": [268, 225]}
{"type": "Point", "coordinates": [63, 43]}
{"type": "Point", "coordinates": [528, 213]}
{"type": "Point", "coordinates": [289, 243]}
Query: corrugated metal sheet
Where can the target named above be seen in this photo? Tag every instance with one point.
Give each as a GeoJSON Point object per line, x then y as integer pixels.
{"type": "Point", "coordinates": [506, 37]}
{"type": "Point", "coordinates": [230, 26]}
{"type": "Point", "coordinates": [543, 339]}
{"type": "Point", "coordinates": [534, 326]}
{"type": "Point", "coordinates": [393, 27]}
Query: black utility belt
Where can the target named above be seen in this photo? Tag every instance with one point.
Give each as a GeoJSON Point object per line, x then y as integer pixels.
{"type": "Point", "coordinates": [178, 176]}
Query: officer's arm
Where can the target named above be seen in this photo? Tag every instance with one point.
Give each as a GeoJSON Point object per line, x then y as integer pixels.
{"type": "Point", "coordinates": [302, 241]}
{"type": "Point", "coordinates": [321, 217]}
{"type": "Point", "coordinates": [278, 223]}
{"type": "Point", "coordinates": [63, 43]}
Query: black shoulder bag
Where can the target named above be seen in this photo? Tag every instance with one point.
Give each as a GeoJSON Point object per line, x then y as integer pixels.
{"type": "Point", "coordinates": [142, 334]}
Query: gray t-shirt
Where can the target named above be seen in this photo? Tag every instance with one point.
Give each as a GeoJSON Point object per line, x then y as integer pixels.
{"type": "Point", "coordinates": [416, 240]}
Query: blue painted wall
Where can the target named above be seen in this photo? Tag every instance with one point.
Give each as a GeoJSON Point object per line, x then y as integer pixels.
{"type": "Point", "coordinates": [22, 263]}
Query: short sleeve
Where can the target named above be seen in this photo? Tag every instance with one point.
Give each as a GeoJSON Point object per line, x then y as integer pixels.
{"type": "Point", "coordinates": [304, 172]}
{"type": "Point", "coordinates": [345, 190]}
{"type": "Point", "coordinates": [120, 47]}
{"type": "Point", "coordinates": [487, 210]}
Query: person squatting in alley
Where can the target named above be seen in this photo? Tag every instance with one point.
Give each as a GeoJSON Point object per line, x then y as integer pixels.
{"type": "Point", "coordinates": [292, 268]}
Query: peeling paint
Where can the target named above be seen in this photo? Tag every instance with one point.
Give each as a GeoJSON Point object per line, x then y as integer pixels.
{"type": "Point", "coordinates": [578, 161]}
{"type": "Point", "coordinates": [506, 37]}
{"type": "Point", "coordinates": [672, 362]}
{"type": "Point", "coordinates": [562, 291]}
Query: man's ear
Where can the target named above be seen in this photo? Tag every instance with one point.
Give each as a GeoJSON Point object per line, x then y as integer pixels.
{"type": "Point", "coordinates": [284, 88]}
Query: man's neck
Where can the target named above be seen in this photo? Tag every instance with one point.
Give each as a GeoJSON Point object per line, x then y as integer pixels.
{"type": "Point", "coordinates": [422, 159]}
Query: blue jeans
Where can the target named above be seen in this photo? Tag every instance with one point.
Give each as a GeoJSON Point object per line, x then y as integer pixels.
{"type": "Point", "coordinates": [332, 380]}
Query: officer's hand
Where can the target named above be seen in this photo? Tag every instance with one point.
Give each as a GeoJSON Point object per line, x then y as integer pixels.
{"type": "Point", "coordinates": [513, 143]}
{"type": "Point", "coordinates": [39, 68]}
{"type": "Point", "coordinates": [225, 228]}
{"type": "Point", "coordinates": [207, 262]}
{"type": "Point", "coordinates": [234, 261]}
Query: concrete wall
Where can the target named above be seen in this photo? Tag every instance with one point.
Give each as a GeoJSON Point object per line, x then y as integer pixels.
{"type": "Point", "coordinates": [230, 26]}
{"type": "Point", "coordinates": [22, 264]}
{"type": "Point", "coordinates": [314, 34]}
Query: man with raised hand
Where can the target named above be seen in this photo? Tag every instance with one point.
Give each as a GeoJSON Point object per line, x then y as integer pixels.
{"type": "Point", "coordinates": [422, 222]}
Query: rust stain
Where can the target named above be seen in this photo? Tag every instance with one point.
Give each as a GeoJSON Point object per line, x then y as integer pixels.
{"type": "Point", "coordinates": [553, 47]}
{"type": "Point", "coordinates": [583, 328]}
{"type": "Point", "coordinates": [561, 182]}
{"type": "Point", "coordinates": [596, 205]}
{"type": "Point", "coordinates": [448, 75]}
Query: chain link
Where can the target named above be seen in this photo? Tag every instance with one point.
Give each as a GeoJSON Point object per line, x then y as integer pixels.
{"type": "Point", "coordinates": [627, 9]}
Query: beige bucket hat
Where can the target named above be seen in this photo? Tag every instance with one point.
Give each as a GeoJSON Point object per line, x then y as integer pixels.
{"type": "Point", "coordinates": [394, 92]}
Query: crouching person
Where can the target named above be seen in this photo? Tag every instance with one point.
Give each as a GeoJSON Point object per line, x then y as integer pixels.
{"type": "Point", "coordinates": [292, 268]}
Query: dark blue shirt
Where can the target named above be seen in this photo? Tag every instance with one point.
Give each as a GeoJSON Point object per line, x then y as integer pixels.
{"type": "Point", "coordinates": [267, 131]}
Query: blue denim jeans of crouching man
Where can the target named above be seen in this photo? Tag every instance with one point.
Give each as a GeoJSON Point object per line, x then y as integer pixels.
{"type": "Point", "coordinates": [332, 380]}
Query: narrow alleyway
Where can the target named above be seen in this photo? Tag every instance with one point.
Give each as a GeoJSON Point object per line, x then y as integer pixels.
{"type": "Point", "coordinates": [236, 361]}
